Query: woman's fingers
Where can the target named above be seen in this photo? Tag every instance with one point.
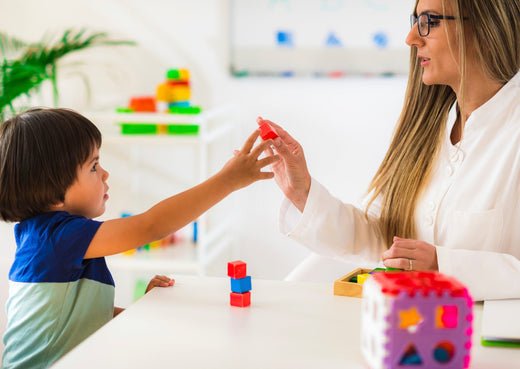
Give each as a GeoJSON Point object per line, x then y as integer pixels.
{"type": "Point", "coordinates": [268, 160]}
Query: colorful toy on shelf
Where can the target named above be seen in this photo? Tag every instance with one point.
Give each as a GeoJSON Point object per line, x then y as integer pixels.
{"type": "Point", "coordinates": [172, 239]}
{"type": "Point", "coordinates": [267, 132]}
{"type": "Point", "coordinates": [175, 93]}
{"type": "Point", "coordinates": [416, 319]}
{"type": "Point", "coordinates": [240, 284]}
{"type": "Point", "coordinates": [142, 104]}
{"type": "Point", "coordinates": [173, 97]}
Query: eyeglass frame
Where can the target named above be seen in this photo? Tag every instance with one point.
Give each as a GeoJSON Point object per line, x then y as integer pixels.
{"type": "Point", "coordinates": [414, 19]}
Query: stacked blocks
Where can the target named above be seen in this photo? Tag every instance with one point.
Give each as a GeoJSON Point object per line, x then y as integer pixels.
{"type": "Point", "coordinates": [267, 132]}
{"type": "Point", "coordinates": [175, 92]}
{"type": "Point", "coordinates": [416, 319]}
{"type": "Point", "coordinates": [240, 284]}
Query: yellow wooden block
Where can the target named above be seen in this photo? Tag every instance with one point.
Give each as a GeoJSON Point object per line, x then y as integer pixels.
{"type": "Point", "coordinates": [155, 244]}
{"type": "Point", "coordinates": [342, 286]}
{"type": "Point", "coordinates": [361, 278]}
{"type": "Point", "coordinates": [184, 74]}
{"type": "Point", "coordinates": [164, 92]}
{"type": "Point", "coordinates": [180, 93]}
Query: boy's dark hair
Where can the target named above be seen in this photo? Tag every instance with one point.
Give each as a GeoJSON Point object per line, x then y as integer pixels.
{"type": "Point", "coordinates": [40, 153]}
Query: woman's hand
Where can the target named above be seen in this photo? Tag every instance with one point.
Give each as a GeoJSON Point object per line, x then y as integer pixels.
{"type": "Point", "coordinates": [411, 255]}
{"type": "Point", "coordinates": [291, 173]}
{"type": "Point", "coordinates": [160, 281]}
{"type": "Point", "coordinates": [245, 167]}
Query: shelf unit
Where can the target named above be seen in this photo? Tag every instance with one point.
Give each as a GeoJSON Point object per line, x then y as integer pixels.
{"type": "Point", "coordinates": [145, 169]}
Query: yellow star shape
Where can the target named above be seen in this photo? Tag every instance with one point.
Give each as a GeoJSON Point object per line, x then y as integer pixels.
{"type": "Point", "coordinates": [408, 319]}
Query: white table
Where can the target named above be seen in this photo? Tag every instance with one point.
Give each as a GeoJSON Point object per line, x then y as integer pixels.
{"type": "Point", "coordinates": [289, 325]}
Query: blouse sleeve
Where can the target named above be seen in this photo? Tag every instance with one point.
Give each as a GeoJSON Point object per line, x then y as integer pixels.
{"type": "Point", "coordinates": [333, 228]}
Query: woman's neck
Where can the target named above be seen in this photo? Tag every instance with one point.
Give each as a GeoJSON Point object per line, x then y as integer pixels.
{"type": "Point", "coordinates": [478, 90]}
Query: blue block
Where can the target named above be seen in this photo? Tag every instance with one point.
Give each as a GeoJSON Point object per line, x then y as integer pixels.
{"type": "Point", "coordinates": [241, 285]}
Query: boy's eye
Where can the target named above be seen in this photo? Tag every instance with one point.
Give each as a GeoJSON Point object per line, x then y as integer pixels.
{"type": "Point", "coordinates": [94, 168]}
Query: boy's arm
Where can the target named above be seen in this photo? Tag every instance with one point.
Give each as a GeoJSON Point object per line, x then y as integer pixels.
{"type": "Point", "coordinates": [167, 216]}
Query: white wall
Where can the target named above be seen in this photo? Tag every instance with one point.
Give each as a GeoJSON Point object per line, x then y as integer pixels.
{"type": "Point", "coordinates": [344, 125]}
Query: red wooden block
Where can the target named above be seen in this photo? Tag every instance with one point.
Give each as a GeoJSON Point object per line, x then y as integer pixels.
{"type": "Point", "coordinates": [237, 269]}
{"type": "Point", "coordinates": [267, 132]}
{"type": "Point", "coordinates": [143, 104]}
{"type": "Point", "coordinates": [240, 299]}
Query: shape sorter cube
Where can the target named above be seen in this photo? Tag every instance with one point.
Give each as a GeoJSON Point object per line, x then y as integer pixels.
{"type": "Point", "coordinates": [416, 319]}
{"type": "Point", "coordinates": [267, 132]}
{"type": "Point", "coordinates": [241, 285]}
{"type": "Point", "coordinates": [237, 269]}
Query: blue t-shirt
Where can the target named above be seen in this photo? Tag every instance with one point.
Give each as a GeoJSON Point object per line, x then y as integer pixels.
{"type": "Point", "coordinates": [56, 298]}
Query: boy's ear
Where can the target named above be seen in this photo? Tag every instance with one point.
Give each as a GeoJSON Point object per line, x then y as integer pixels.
{"type": "Point", "coordinates": [58, 206]}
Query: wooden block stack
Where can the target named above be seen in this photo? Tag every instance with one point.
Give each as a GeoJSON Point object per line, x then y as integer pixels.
{"type": "Point", "coordinates": [240, 284]}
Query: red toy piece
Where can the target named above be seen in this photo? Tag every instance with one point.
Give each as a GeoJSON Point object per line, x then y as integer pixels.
{"type": "Point", "coordinates": [237, 269]}
{"type": "Point", "coordinates": [143, 104]}
{"type": "Point", "coordinates": [240, 299]}
{"type": "Point", "coordinates": [267, 132]}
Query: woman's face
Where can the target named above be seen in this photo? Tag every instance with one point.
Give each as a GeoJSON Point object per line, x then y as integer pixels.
{"type": "Point", "coordinates": [438, 51]}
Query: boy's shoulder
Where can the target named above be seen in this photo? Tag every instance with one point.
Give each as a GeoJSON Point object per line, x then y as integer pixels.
{"type": "Point", "coordinates": [50, 247]}
{"type": "Point", "coordinates": [52, 225]}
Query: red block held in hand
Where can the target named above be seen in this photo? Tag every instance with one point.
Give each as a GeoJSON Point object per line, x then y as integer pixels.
{"type": "Point", "coordinates": [267, 132]}
{"type": "Point", "coordinates": [237, 269]}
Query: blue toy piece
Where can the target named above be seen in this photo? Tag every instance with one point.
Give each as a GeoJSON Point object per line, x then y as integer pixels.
{"type": "Point", "coordinates": [241, 285]}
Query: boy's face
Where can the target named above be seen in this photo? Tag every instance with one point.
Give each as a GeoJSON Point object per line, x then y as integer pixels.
{"type": "Point", "coordinates": [88, 193]}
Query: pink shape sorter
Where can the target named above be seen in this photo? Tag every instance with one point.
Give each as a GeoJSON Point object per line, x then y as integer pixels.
{"type": "Point", "coordinates": [416, 320]}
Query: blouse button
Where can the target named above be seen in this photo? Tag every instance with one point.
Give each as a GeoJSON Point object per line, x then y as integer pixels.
{"type": "Point", "coordinates": [431, 205]}
{"type": "Point", "coordinates": [449, 170]}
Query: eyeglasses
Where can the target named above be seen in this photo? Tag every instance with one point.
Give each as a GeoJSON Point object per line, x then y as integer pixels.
{"type": "Point", "coordinates": [426, 20]}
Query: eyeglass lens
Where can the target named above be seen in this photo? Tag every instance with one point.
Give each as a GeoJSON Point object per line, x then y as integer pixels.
{"type": "Point", "coordinates": [423, 23]}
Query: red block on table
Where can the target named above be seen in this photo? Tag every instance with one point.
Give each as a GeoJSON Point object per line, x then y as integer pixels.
{"type": "Point", "coordinates": [237, 269]}
{"type": "Point", "coordinates": [143, 104]}
{"type": "Point", "coordinates": [240, 299]}
{"type": "Point", "coordinates": [267, 132]}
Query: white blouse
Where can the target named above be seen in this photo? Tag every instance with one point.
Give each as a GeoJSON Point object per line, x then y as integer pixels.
{"type": "Point", "coordinates": [470, 210]}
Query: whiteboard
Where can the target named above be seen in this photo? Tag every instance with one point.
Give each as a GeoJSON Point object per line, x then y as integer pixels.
{"type": "Point", "coordinates": [319, 37]}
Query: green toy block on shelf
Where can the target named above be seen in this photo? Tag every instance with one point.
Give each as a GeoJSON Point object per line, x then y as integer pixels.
{"type": "Point", "coordinates": [124, 109]}
{"type": "Point", "coordinates": [138, 129]}
{"type": "Point", "coordinates": [183, 129]}
{"type": "Point", "coordinates": [158, 129]}
{"type": "Point", "coordinates": [185, 110]}
{"type": "Point", "coordinates": [173, 74]}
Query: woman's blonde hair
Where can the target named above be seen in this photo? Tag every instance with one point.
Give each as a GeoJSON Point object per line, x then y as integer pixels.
{"type": "Point", "coordinates": [491, 29]}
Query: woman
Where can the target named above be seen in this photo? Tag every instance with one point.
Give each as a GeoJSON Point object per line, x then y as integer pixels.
{"type": "Point", "coordinates": [447, 194]}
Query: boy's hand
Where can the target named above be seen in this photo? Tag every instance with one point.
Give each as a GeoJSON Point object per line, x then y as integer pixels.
{"type": "Point", "coordinates": [160, 281]}
{"type": "Point", "coordinates": [245, 166]}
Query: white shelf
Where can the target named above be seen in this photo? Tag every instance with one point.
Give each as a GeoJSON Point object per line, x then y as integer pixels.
{"type": "Point", "coordinates": [215, 130]}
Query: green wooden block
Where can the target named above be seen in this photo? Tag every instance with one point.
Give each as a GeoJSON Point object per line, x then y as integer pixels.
{"type": "Point", "coordinates": [140, 289]}
{"type": "Point", "coordinates": [353, 279]}
{"type": "Point", "coordinates": [173, 74]}
{"type": "Point", "coordinates": [138, 129]}
{"type": "Point", "coordinates": [185, 110]}
{"type": "Point", "coordinates": [124, 109]}
{"type": "Point", "coordinates": [183, 129]}
{"type": "Point", "coordinates": [147, 247]}
{"type": "Point", "coordinates": [507, 344]}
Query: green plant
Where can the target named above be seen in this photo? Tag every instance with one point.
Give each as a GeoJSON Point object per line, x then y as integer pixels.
{"type": "Point", "coordinates": [24, 66]}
